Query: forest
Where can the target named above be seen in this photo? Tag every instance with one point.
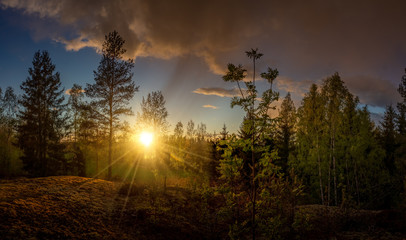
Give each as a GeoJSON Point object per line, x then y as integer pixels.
{"type": "Point", "coordinates": [245, 185]}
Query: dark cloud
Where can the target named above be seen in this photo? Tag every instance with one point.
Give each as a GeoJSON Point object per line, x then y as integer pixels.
{"type": "Point", "coordinates": [221, 92]}
{"type": "Point", "coordinates": [302, 37]}
{"type": "Point", "coordinates": [373, 91]}
{"type": "Point", "coordinates": [289, 85]}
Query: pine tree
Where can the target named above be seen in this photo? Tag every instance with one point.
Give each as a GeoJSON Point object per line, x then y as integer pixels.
{"type": "Point", "coordinates": [224, 132]}
{"type": "Point", "coordinates": [285, 131]}
{"type": "Point", "coordinates": [388, 137]}
{"type": "Point", "coordinates": [41, 121]}
{"type": "Point", "coordinates": [113, 87]}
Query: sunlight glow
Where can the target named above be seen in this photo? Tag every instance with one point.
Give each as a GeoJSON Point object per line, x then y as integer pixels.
{"type": "Point", "coordinates": [146, 138]}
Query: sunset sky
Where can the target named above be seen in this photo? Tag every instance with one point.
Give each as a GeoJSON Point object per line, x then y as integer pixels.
{"type": "Point", "coordinates": [182, 47]}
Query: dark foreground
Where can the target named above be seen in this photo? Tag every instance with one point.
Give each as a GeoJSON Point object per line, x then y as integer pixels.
{"type": "Point", "coordinates": [83, 208]}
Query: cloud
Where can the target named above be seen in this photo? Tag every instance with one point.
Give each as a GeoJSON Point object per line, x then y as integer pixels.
{"type": "Point", "coordinates": [68, 91]}
{"type": "Point", "coordinates": [210, 106]}
{"type": "Point", "coordinates": [221, 92]}
{"type": "Point", "coordinates": [308, 38]}
{"type": "Point", "coordinates": [296, 87]}
{"type": "Point", "coordinates": [373, 91]}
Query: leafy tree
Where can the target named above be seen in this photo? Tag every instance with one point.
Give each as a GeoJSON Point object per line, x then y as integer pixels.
{"type": "Point", "coordinates": [201, 131]}
{"type": "Point", "coordinates": [113, 87]}
{"type": "Point", "coordinates": [8, 123]}
{"type": "Point", "coordinates": [311, 147]}
{"type": "Point", "coordinates": [153, 113]}
{"type": "Point", "coordinates": [41, 122]}
{"type": "Point", "coordinates": [254, 171]}
{"type": "Point", "coordinates": [178, 131]}
{"type": "Point", "coordinates": [190, 129]}
{"type": "Point", "coordinates": [334, 92]}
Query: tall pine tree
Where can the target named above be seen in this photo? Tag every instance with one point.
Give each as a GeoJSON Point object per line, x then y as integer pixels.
{"type": "Point", "coordinates": [41, 121]}
{"type": "Point", "coordinates": [113, 87]}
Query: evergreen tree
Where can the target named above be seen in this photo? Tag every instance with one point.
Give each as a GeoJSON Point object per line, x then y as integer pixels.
{"type": "Point", "coordinates": [401, 130]}
{"type": "Point", "coordinates": [224, 132]}
{"type": "Point", "coordinates": [113, 87]}
{"type": "Point", "coordinates": [388, 137]}
{"type": "Point", "coordinates": [41, 122]}
{"type": "Point", "coordinates": [285, 131]}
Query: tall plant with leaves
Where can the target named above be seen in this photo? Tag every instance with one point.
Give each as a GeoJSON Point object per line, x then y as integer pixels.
{"type": "Point", "coordinates": [311, 145]}
{"type": "Point", "coordinates": [235, 162]}
{"type": "Point", "coordinates": [334, 92]}
{"type": "Point", "coordinates": [8, 123]}
{"type": "Point", "coordinates": [113, 87]}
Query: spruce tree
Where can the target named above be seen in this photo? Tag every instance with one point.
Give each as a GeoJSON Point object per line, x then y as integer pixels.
{"type": "Point", "coordinates": [41, 122]}
{"type": "Point", "coordinates": [285, 131]}
{"type": "Point", "coordinates": [113, 87]}
{"type": "Point", "coordinates": [388, 137]}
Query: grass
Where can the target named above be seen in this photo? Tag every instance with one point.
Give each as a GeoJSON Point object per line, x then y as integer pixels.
{"type": "Point", "coordinates": [67, 207]}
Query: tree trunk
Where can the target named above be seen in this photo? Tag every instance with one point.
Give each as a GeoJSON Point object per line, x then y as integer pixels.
{"type": "Point", "coordinates": [110, 147]}
{"type": "Point", "coordinates": [320, 177]}
{"type": "Point", "coordinates": [254, 195]}
{"type": "Point", "coordinates": [334, 170]}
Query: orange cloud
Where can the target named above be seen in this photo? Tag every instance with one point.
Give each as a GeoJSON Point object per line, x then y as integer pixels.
{"type": "Point", "coordinates": [221, 92]}
{"type": "Point", "coordinates": [210, 106]}
{"type": "Point", "coordinates": [68, 91]}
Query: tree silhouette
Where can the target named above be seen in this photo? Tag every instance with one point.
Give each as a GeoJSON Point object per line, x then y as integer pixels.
{"type": "Point", "coordinates": [153, 113]}
{"type": "Point", "coordinates": [41, 121]}
{"type": "Point", "coordinates": [113, 87]}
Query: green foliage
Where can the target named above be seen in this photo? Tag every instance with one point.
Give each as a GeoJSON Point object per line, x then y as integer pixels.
{"type": "Point", "coordinates": [257, 195]}
{"type": "Point", "coordinates": [338, 154]}
{"type": "Point", "coordinates": [9, 154]}
{"type": "Point", "coordinates": [153, 114]}
{"type": "Point", "coordinates": [41, 123]}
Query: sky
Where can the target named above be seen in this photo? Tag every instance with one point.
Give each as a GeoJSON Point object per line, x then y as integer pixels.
{"type": "Point", "coordinates": [182, 47]}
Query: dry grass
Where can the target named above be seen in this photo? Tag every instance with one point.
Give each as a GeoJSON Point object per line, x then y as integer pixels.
{"type": "Point", "coordinates": [68, 207]}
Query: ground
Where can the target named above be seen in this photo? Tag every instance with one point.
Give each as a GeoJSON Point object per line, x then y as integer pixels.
{"type": "Point", "coordinates": [66, 207]}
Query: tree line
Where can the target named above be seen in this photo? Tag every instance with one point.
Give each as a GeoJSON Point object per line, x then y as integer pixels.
{"type": "Point", "coordinates": [327, 151]}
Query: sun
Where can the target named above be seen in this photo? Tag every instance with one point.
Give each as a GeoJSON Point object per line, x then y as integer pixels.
{"type": "Point", "coordinates": [146, 138]}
